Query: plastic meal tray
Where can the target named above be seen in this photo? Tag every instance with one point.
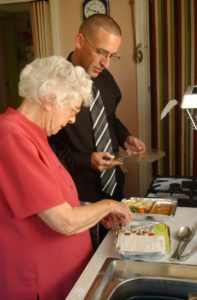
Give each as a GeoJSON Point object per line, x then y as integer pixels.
{"type": "Point", "coordinates": [157, 209]}
{"type": "Point", "coordinates": [143, 240]}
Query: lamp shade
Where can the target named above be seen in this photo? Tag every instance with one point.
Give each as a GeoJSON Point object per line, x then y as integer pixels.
{"type": "Point", "coordinates": [190, 98]}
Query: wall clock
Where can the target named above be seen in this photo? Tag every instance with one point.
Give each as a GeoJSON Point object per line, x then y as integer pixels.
{"type": "Point", "coordinates": [90, 7]}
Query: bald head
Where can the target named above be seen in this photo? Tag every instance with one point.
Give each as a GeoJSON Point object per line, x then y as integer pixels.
{"type": "Point", "coordinates": [93, 23]}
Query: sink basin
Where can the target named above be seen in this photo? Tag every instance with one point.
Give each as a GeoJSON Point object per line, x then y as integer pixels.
{"type": "Point", "coordinates": [136, 280]}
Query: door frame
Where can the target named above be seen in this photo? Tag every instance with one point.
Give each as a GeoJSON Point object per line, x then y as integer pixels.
{"type": "Point", "coordinates": [143, 86]}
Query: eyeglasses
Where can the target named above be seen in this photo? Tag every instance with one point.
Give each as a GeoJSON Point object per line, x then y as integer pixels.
{"type": "Point", "coordinates": [76, 109]}
{"type": "Point", "coordinates": [101, 52]}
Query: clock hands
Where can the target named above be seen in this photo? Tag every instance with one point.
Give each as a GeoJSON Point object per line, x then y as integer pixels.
{"type": "Point", "coordinates": [92, 10]}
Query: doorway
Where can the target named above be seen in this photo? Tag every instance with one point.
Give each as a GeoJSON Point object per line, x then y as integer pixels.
{"type": "Point", "coordinates": [16, 50]}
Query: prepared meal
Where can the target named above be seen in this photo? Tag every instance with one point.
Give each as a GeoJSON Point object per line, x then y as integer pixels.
{"type": "Point", "coordinates": [143, 240]}
{"type": "Point", "coordinates": [140, 205]}
{"type": "Point", "coordinates": [163, 208]}
{"type": "Point", "coordinates": [155, 208]}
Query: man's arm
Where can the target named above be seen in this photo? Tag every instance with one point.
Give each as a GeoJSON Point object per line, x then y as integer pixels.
{"type": "Point", "coordinates": [70, 157]}
{"type": "Point", "coordinates": [128, 141]}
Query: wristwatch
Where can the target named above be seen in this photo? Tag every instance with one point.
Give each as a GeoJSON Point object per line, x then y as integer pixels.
{"type": "Point", "coordinates": [90, 7]}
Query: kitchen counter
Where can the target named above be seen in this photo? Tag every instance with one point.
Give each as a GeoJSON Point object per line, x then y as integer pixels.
{"type": "Point", "coordinates": [184, 216]}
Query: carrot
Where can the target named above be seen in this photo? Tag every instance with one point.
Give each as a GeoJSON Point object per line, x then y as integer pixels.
{"type": "Point", "coordinates": [141, 210]}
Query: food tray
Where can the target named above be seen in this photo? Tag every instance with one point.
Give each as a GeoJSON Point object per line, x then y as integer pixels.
{"type": "Point", "coordinates": [143, 240]}
{"type": "Point", "coordinates": [158, 209]}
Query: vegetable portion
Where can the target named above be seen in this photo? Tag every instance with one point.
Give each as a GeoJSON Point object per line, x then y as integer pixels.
{"type": "Point", "coordinates": [140, 207]}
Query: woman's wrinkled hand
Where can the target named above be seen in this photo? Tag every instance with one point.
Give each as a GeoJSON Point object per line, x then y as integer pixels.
{"type": "Point", "coordinates": [120, 216]}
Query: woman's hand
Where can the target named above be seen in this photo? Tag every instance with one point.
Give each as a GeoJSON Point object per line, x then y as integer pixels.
{"type": "Point", "coordinates": [122, 215]}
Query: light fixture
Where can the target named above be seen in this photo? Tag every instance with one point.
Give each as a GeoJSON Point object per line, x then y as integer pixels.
{"type": "Point", "coordinates": [189, 102]}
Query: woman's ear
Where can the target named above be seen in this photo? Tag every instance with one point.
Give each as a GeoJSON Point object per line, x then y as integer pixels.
{"type": "Point", "coordinates": [47, 103]}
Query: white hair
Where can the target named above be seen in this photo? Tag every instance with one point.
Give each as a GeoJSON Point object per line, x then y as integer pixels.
{"type": "Point", "coordinates": [57, 79]}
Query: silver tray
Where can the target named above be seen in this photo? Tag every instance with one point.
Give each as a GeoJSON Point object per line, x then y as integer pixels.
{"type": "Point", "coordinates": [157, 209]}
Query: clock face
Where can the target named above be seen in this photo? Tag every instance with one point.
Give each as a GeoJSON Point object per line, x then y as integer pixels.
{"type": "Point", "coordinates": [94, 7]}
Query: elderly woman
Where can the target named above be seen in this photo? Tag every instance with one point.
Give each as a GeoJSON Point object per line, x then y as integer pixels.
{"type": "Point", "coordinates": [44, 236]}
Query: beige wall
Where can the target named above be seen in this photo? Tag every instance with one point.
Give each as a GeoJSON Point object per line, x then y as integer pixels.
{"type": "Point", "coordinates": [124, 71]}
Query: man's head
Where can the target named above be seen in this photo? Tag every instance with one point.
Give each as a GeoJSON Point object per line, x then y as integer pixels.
{"type": "Point", "coordinates": [97, 43]}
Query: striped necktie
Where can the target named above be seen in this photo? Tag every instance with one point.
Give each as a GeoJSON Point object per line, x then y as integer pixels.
{"type": "Point", "coordinates": [102, 140]}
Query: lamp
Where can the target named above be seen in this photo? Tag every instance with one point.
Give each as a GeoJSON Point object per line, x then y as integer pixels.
{"type": "Point", "coordinates": [189, 102]}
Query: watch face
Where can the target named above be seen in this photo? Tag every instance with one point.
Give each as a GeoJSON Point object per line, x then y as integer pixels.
{"type": "Point", "coordinates": [94, 7]}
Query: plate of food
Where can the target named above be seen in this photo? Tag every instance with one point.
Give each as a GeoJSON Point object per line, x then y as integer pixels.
{"type": "Point", "coordinates": [157, 209]}
{"type": "Point", "coordinates": [143, 240]}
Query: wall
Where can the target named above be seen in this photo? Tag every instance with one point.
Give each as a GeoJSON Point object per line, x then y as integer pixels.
{"type": "Point", "coordinates": [69, 18]}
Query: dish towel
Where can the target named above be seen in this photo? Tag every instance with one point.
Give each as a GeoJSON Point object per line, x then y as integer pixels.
{"type": "Point", "coordinates": [102, 140]}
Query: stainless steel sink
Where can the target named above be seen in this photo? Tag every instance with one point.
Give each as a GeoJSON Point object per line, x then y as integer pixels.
{"type": "Point", "coordinates": [136, 280]}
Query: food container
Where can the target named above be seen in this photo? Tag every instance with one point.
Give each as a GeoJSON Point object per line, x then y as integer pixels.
{"type": "Point", "coordinates": [157, 209]}
{"type": "Point", "coordinates": [143, 240]}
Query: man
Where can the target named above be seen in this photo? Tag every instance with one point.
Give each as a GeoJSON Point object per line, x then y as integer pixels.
{"type": "Point", "coordinates": [97, 43]}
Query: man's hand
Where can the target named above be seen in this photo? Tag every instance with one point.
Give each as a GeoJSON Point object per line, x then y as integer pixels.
{"type": "Point", "coordinates": [135, 145]}
{"type": "Point", "coordinates": [101, 161]}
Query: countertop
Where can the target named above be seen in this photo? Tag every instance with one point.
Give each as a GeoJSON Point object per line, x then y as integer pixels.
{"type": "Point", "coordinates": [184, 216]}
